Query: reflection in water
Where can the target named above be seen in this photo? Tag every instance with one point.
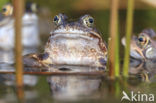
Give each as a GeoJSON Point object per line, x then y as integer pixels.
{"type": "Point", "coordinates": [73, 87]}
{"type": "Point", "coordinates": [68, 68]}
{"type": "Point", "coordinates": [9, 79]}
{"type": "Point", "coordinates": [10, 95]}
{"type": "Point", "coordinates": [6, 61]}
{"type": "Point", "coordinates": [7, 56]}
{"type": "Point", "coordinates": [68, 87]}
{"type": "Point", "coordinates": [144, 68]}
{"type": "Point", "coordinates": [20, 94]}
{"type": "Point", "coordinates": [79, 87]}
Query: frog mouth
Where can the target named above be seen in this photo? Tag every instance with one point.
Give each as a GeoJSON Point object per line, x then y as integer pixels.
{"type": "Point", "coordinates": [68, 30]}
{"type": "Point", "coordinates": [135, 50]}
{"type": "Point", "coordinates": [72, 33]}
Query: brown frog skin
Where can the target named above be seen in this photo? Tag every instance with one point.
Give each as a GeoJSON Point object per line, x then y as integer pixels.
{"type": "Point", "coordinates": [72, 43]}
{"type": "Point", "coordinates": [135, 50]}
{"type": "Point", "coordinates": [143, 46]}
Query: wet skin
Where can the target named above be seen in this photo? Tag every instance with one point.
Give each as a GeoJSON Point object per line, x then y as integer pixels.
{"type": "Point", "coordinates": [143, 46]}
{"type": "Point", "coordinates": [72, 43]}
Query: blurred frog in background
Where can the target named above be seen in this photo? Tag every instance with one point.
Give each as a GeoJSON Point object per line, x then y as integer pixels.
{"type": "Point", "coordinates": [30, 30]}
{"type": "Point", "coordinates": [30, 40]}
{"type": "Point", "coordinates": [143, 47]}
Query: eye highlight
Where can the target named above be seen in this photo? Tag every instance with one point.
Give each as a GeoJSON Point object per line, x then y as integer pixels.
{"type": "Point", "coordinates": [88, 21]}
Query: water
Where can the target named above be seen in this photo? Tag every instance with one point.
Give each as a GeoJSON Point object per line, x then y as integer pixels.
{"type": "Point", "coordinates": [76, 84]}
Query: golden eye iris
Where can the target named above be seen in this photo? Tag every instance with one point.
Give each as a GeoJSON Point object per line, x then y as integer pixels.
{"type": "Point", "coordinates": [7, 10]}
{"type": "Point", "coordinates": [143, 41]}
{"type": "Point", "coordinates": [88, 21]}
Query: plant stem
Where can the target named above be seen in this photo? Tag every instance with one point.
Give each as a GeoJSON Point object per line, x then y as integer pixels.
{"type": "Point", "coordinates": [18, 13]}
{"type": "Point", "coordinates": [117, 56]}
{"type": "Point", "coordinates": [112, 41]}
{"type": "Point", "coordinates": [128, 36]}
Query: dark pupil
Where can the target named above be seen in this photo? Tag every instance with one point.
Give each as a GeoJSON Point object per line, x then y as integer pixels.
{"type": "Point", "coordinates": [141, 39]}
{"type": "Point", "coordinates": [56, 18]}
{"type": "Point", "coordinates": [4, 9]}
{"type": "Point", "coordinates": [91, 20]}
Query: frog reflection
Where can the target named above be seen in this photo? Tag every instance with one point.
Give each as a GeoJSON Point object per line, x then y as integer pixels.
{"type": "Point", "coordinates": [73, 87]}
{"type": "Point", "coordinates": [10, 80]}
{"type": "Point", "coordinates": [144, 69]}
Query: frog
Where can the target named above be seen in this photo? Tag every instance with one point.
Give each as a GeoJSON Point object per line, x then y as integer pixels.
{"type": "Point", "coordinates": [143, 46]}
{"type": "Point", "coordinates": [71, 43]}
{"type": "Point", "coordinates": [147, 45]}
{"type": "Point", "coordinates": [30, 27]}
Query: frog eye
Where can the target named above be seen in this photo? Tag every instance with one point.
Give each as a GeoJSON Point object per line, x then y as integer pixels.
{"type": "Point", "coordinates": [7, 10]}
{"type": "Point", "coordinates": [88, 21]}
{"type": "Point", "coordinates": [143, 41]}
{"type": "Point", "coordinates": [31, 7]}
{"type": "Point", "coordinates": [4, 9]}
{"type": "Point", "coordinates": [57, 20]}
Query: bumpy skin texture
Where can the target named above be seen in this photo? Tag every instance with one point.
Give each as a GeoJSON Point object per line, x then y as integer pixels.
{"type": "Point", "coordinates": [74, 43]}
